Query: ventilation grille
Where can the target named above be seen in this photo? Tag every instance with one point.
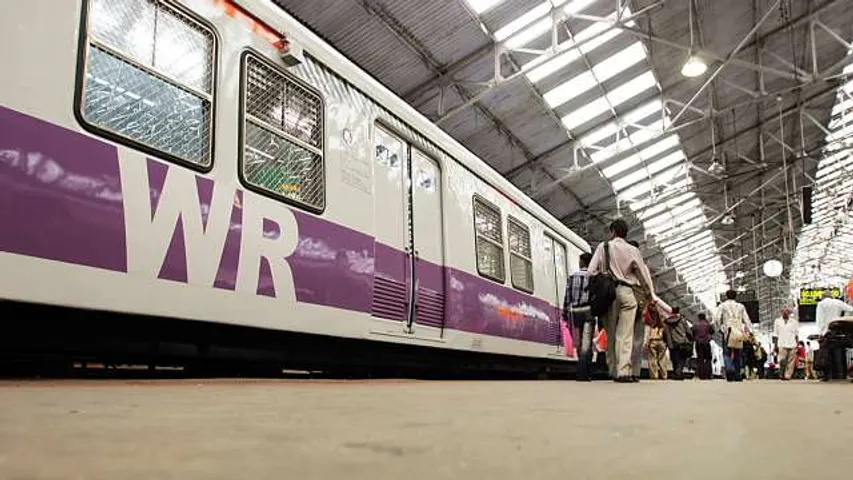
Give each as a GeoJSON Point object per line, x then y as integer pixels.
{"type": "Point", "coordinates": [389, 299]}
{"type": "Point", "coordinates": [430, 308]}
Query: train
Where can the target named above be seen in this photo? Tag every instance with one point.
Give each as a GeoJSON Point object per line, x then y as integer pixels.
{"type": "Point", "coordinates": [209, 179]}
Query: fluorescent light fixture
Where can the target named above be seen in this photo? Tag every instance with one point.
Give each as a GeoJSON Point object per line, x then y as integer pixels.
{"type": "Point", "coordinates": [480, 6]}
{"type": "Point", "coordinates": [693, 67]}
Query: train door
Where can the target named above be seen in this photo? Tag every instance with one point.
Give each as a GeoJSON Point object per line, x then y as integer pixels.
{"type": "Point", "coordinates": [408, 273]}
{"type": "Point", "coordinates": [427, 232]}
{"type": "Point", "coordinates": [391, 263]}
{"type": "Point", "coordinates": [556, 279]}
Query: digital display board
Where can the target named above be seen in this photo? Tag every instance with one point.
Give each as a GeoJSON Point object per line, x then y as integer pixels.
{"type": "Point", "coordinates": [811, 296]}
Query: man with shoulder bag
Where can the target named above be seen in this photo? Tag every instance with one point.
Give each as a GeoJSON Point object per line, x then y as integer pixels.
{"type": "Point", "coordinates": [735, 324]}
{"type": "Point", "coordinates": [615, 269]}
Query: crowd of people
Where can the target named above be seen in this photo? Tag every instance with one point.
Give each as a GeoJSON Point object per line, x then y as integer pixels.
{"type": "Point", "coordinates": [637, 324]}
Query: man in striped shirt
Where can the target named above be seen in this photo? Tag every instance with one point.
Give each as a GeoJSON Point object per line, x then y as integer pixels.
{"type": "Point", "coordinates": [576, 314]}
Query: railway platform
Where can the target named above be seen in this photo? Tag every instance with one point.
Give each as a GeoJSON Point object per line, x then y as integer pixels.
{"type": "Point", "coordinates": [391, 429]}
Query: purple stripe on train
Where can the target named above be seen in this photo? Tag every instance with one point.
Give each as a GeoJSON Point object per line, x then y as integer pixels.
{"type": "Point", "coordinates": [60, 194]}
{"type": "Point", "coordinates": [61, 199]}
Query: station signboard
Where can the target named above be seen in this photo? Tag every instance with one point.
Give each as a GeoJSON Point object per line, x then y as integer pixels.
{"type": "Point", "coordinates": [811, 296]}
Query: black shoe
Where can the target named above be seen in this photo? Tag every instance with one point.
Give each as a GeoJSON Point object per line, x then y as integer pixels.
{"type": "Point", "coordinates": [635, 379]}
{"type": "Point", "coordinates": [623, 380]}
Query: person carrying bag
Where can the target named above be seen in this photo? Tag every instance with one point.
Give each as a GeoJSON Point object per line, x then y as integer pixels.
{"type": "Point", "coordinates": [734, 322]}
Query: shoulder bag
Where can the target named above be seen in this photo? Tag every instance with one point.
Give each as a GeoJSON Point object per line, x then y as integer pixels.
{"type": "Point", "coordinates": [602, 287]}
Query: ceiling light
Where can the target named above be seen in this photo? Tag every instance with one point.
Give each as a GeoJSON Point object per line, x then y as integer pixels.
{"type": "Point", "coordinates": [716, 168]}
{"type": "Point", "coordinates": [773, 268]}
{"type": "Point", "coordinates": [693, 67]}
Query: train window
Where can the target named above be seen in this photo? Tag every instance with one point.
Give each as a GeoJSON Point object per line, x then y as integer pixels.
{"type": "Point", "coordinates": [520, 263]}
{"type": "Point", "coordinates": [282, 152]}
{"type": "Point", "coordinates": [489, 240]}
{"type": "Point", "coordinates": [148, 78]}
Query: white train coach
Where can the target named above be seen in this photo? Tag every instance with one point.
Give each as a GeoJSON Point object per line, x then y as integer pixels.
{"type": "Point", "coordinates": [205, 177]}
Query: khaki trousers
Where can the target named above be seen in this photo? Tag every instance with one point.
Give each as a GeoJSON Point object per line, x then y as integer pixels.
{"type": "Point", "coordinates": [620, 332]}
{"type": "Point", "coordinates": [787, 362]}
{"type": "Point", "coordinates": [657, 359]}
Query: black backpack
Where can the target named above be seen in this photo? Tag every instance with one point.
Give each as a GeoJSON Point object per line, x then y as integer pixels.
{"type": "Point", "coordinates": [602, 287]}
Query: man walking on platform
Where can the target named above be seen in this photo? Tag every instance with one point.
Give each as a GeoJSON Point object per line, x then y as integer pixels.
{"type": "Point", "coordinates": [628, 270]}
{"type": "Point", "coordinates": [702, 332]}
{"type": "Point", "coordinates": [735, 324]}
{"type": "Point", "coordinates": [785, 337]}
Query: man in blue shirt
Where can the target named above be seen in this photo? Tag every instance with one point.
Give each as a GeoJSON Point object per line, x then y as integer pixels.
{"type": "Point", "coordinates": [576, 314]}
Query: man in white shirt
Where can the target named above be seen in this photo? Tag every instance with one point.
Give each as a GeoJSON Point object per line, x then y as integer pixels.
{"type": "Point", "coordinates": [628, 270]}
{"type": "Point", "coordinates": [785, 337]}
{"type": "Point", "coordinates": [829, 309]}
{"type": "Point", "coordinates": [832, 357]}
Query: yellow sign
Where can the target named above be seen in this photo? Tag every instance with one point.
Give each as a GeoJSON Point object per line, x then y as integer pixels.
{"type": "Point", "coordinates": [810, 296]}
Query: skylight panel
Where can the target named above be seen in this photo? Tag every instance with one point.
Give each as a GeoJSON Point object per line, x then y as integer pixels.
{"type": "Point", "coordinates": [534, 31]}
{"type": "Point", "coordinates": [615, 98]}
{"type": "Point", "coordinates": [689, 239]}
{"type": "Point", "coordinates": [570, 89]}
{"type": "Point", "coordinates": [637, 138]}
{"type": "Point", "coordinates": [661, 146]}
{"type": "Point", "coordinates": [631, 89]}
{"type": "Point", "coordinates": [516, 25]}
{"type": "Point", "coordinates": [620, 61]}
{"type": "Point", "coordinates": [638, 190]}
{"type": "Point", "coordinates": [630, 179]}
{"type": "Point", "coordinates": [574, 7]}
{"type": "Point", "coordinates": [480, 6]}
{"type": "Point", "coordinates": [623, 165]}
{"type": "Point", "coordinates": [643, 111]}
{"type": "Point", "coordinates": [599, 134]}
{"type": "Point", "coordinates": [842, 107]}
{"type": "Point", "coordinates": [653, 211]}
{"type": "Point", "coordinates": [687, 214]}
{"type": "Point", "coordinates": [668, 230]}
{"type": "Point", "coordinates": [650, 152]}
{"type": "Point", "coordinates": [563, 59]}
{"type": "Point", "coordinates": [586, 113]}
{"type": "Point", "coordinates": [601, 72]}
{"type": "Point", "coordinates": [683, 254]}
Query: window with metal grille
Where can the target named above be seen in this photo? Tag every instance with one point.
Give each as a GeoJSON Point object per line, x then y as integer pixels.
{"type": "Point", "coordinates": [282, 136]}
{"type": "Point", "coordinates": [489, 240]}
{"type": "Point", "coordinates": [520, 263]}
{"type": "Point", "coordinates": [147, 78]}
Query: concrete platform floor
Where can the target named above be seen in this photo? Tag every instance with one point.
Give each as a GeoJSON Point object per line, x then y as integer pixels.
{"type": "Point", "coordinates": [234, 429]}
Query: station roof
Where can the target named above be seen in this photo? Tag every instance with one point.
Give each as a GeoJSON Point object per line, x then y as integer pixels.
{"type": "Point", "coordinates": [584, 105]}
